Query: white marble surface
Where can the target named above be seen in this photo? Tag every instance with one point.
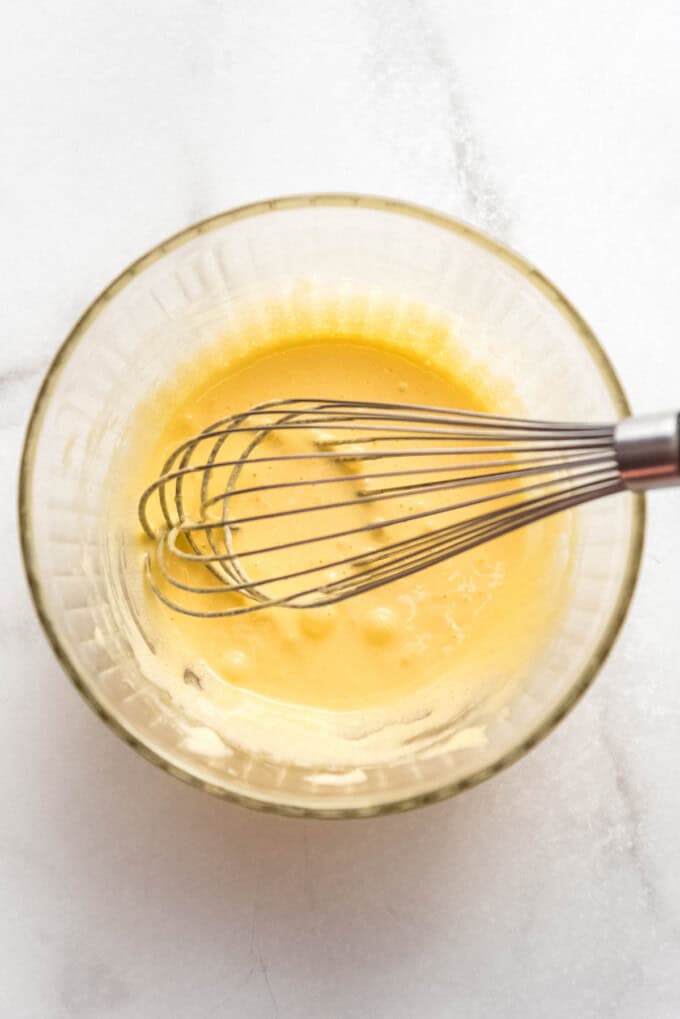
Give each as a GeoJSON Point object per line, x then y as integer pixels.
{"type": "Point", "coordinates": [555, 889]}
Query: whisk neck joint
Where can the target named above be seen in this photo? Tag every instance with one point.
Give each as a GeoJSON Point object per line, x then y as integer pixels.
{"type": "Point", "coordinates": [648, 450]}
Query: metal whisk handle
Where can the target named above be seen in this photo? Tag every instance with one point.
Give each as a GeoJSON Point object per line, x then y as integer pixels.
{"type": "Point", "coordinates": [648, 450]}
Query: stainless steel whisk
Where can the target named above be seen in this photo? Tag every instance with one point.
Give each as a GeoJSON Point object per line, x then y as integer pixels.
{"type": "Point", "coordinates": [485, 476]}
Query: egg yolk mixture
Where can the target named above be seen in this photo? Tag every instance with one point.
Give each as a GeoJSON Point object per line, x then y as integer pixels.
{"type": "Point", "coordinates": [454, 627]}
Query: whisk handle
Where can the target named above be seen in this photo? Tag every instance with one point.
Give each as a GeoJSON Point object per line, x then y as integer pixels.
{"type": "Point", "coordinates": [648, 450]}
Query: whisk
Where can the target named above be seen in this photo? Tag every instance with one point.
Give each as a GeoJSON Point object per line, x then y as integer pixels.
{"type": "Point", "coordinates": [301, 503]}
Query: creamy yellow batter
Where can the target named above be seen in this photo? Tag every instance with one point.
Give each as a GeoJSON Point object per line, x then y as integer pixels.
{"type": "Point", "coordinates": [450, 630]}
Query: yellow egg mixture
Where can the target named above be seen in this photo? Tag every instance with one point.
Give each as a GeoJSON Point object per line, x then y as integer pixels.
{"type": "Point", "coordinates": [446, 635]}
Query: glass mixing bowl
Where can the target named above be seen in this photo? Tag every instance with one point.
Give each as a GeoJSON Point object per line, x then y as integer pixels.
{"type": "Point", "coordinates": [175, 299]}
